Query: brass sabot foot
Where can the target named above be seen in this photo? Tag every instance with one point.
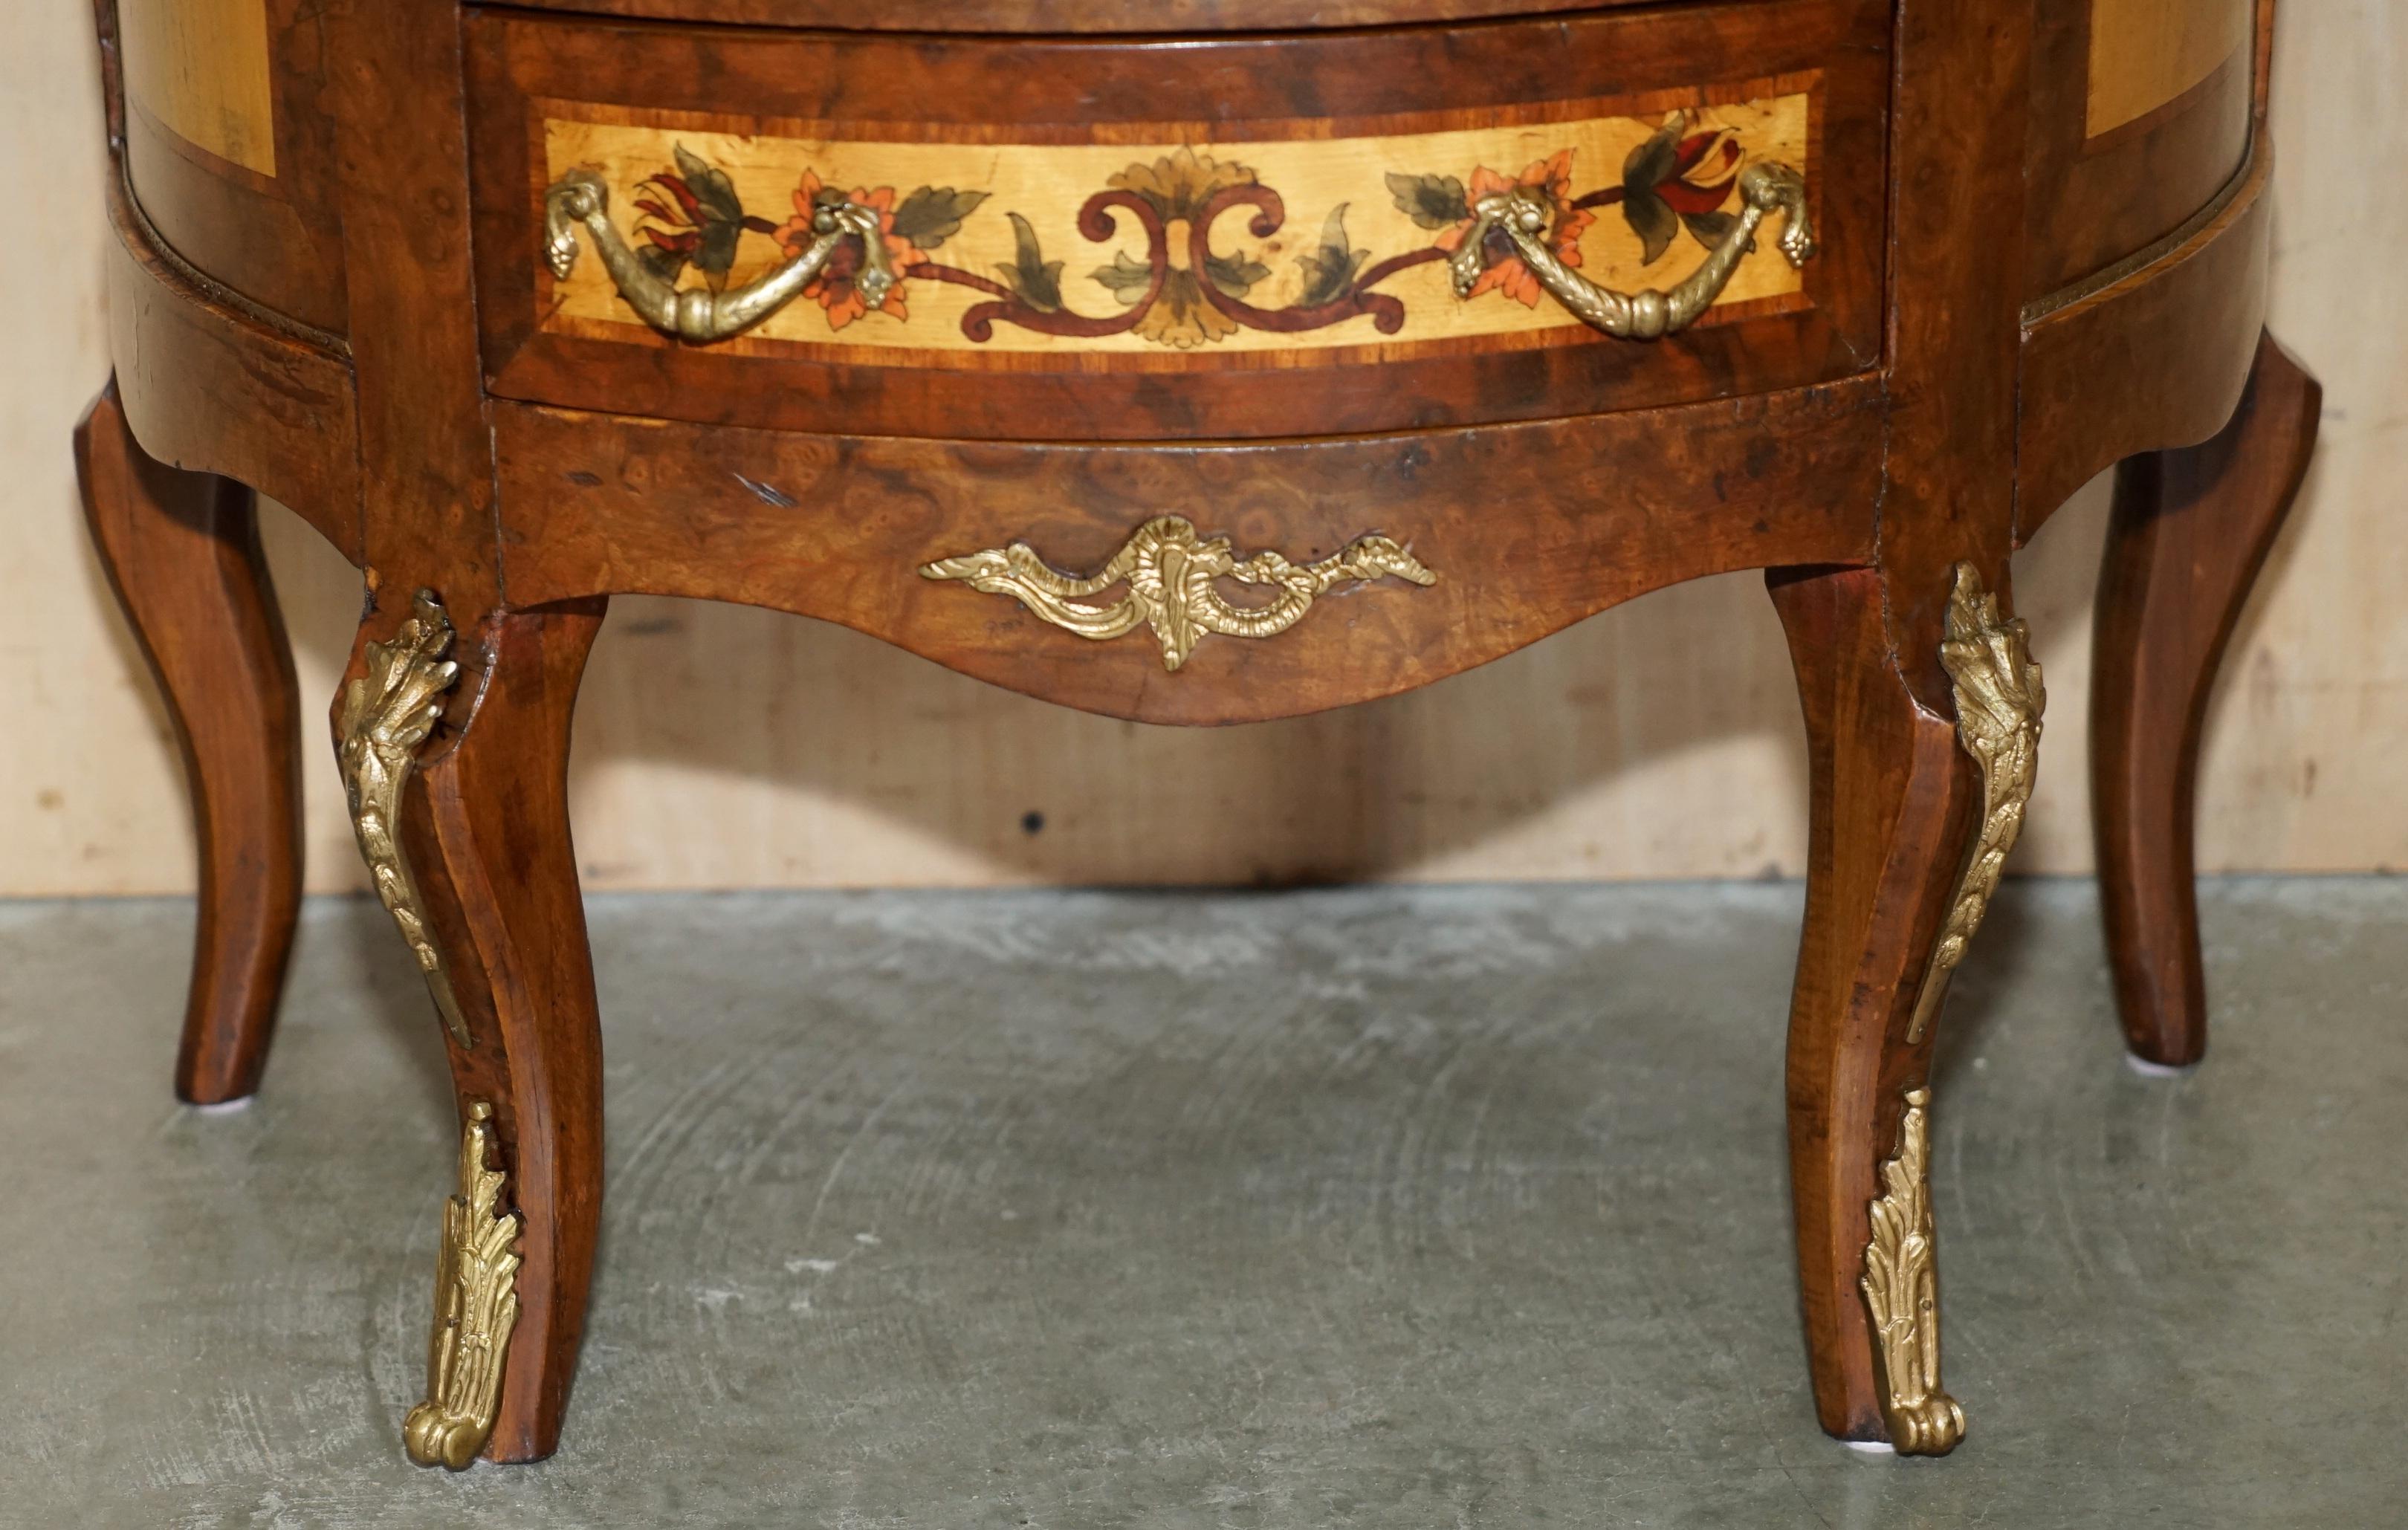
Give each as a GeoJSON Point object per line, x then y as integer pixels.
{"type": "Point", "coordinates": [434, 1438]}
{"type": "Point", "coordinates": [1931, 1427]}
{"type": "Point", "coordinates": [1901, 1290]}
{"type": "Point", "coordinates": [476, 1307]}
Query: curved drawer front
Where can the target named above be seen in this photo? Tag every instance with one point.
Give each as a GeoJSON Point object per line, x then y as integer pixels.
{"type": "Point", "coordinates": [1189, 254]}
{"type": "Point", "coordinates": [1074, 15]}
{"type": "Point", "coordinates": [231, 166]}
{"type": "Point", "coordinates": [2142, 111]}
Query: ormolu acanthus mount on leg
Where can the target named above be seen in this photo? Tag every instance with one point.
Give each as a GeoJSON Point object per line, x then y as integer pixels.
{"type": "Point", "coordinates": [475, 1307]}
{"type": "Point", "coordinates": [386, 716]}
{"type": "Point", "coordinates": [1902, 1295]}
{"type": "Point", "coordinates": [1999, 704]}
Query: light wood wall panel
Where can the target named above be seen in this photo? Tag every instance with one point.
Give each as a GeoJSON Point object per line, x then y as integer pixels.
{"type": "Point", "coordinates": [722, 747]}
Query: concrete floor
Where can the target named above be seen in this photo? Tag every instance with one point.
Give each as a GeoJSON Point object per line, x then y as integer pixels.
{"type": "Point", "coordinates": [1379, 1207]}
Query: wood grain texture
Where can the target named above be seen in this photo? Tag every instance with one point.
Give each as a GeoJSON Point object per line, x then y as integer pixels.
{"type": "Point", "coordinates": [268, 230]}
{"type": "Point", "coordinates": [1949, 488]}
{"type": "Point", "coordinates": [425, 455]}
{"type": "Point", "coordinates": [2099, 198]}
{"type": "Point", "coordinates": [1078, 16]}
{"type": "Point", "coordinates": [182, 551]}
{"type": "Point", "coordinates": [200, 67]}
{"type": "Point", "coordinates": [1529, 528]}
{"type": "Point", "coordinates": [207, 388]}
{"type": "Point", "coordinates": [2145, 54]}
{"type": "Point", "coordinates": [1086, 93]}
{"type": "Point", "coordinates": [2190, 531]}
{"type": "Point", "coordinates": [485, 821]}
{"type": "Point", "coordinates": [2183, 334]}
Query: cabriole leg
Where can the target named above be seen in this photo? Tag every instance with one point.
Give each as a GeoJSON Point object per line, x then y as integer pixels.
{"type": "Point", "coordinates": [1912, 815]}
{"type": "Point", "coordinates": [2189, 531]}
{"type": "Point", "coordinates": [182, 551]}
{"type": "Point", "coordinates": [458, 786]}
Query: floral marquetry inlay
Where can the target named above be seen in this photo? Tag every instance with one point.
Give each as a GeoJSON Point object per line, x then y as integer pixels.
{"type": "Point", "coordinates": [1169, 247]}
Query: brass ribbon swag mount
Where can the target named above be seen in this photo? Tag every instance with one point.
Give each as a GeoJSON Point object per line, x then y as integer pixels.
{"type": "Point", "coordinates": [1169, 572]}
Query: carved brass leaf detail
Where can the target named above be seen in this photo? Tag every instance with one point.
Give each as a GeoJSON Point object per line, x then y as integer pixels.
{"type": "Point", "coordinates": [1902, 1295]}
{"type": "Point", "coordinates": [1168, 571]}
{"type": "Point", "coordinates": [1999, 703]}
{"type": "Point", "coordinates": [387, 714]}
{"type": "Point", "coordinates": [476, 1307]}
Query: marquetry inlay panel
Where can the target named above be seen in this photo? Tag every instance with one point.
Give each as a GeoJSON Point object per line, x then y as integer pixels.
{"type": "Point", "coordinates": [2146, 53]}
{"type": "Point", "coordinates": [199, 68]}
{"type": "Point", "coordinates": [1310, 240]}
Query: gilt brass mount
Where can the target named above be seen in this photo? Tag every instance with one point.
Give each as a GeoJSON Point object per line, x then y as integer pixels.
{"type": "Point", "coordinates": [580, 200]}
{"type": "Point", "coordinates": [1902, 1295]}
{"type": "Point", "coordinates": [1999, 703]}
{"type": "Point", "coordinates": [475, 1307]}
{"type": "Point", "coordinates": [387, 714]}
{"type": "Point", "coordinates": [1169, 571]}
{"type": "Point", "coordinates": [1526, 215]}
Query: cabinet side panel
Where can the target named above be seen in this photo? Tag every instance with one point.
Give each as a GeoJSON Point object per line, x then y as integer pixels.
{"type": "Point", "coordinates": [200, 68]}
{"type": "Point", "coordinates": [2145, 54]}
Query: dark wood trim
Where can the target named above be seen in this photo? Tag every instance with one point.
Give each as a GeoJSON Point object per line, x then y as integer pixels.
{"type": "Point", "coordinates": [427, 496]}
{"type": "Point", "coordinates": [2140, 259]}
{"type": "Point", "coordinates": [2097, 200]}
{"type": "Point", "coordinates": [204, 387]}
{"type": "Point", "coordinates": [2177, 337]}
{"type": "Point", "coordinates": [1071, 17]}
{"type": "Point", "coordinates": [1964, 84]}
{"type": "Point", "coordinates": [181, 551]}
{"type": "Point", "coordinates": [2190, 530]}
{"type": "Point", "coordinates": [217, 291]}
{"type": "Point", "coordinates": [275, 239]}
{"type": "Point", "coordinates": [2217, 85]}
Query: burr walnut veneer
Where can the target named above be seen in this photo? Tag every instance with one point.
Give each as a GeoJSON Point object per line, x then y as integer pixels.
{"type": "Point", "coordinates": [1189, 361]}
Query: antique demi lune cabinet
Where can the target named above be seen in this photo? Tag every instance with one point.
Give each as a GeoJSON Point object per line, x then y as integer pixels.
{"type": "Point", "coordinates": [1191, 362]}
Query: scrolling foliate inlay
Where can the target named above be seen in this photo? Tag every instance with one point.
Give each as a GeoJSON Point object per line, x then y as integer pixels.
{"type": "Point", "coordinates": [1999, 703]}
{"type": "Point", "coordinates": [387, 714]}
{"type": "Point", "coordinates": [1902, 1288]}
{"type": "Point", "coordinates": [1169, 572]}
{"type": "Point", "coordinates": [1156, 248]}
{"type": "Point", "coordinates": [476, 1307]}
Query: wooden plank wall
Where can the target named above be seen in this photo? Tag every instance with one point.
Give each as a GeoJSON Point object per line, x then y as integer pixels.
{"type": "Point", "coordinates": [722, 747]}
